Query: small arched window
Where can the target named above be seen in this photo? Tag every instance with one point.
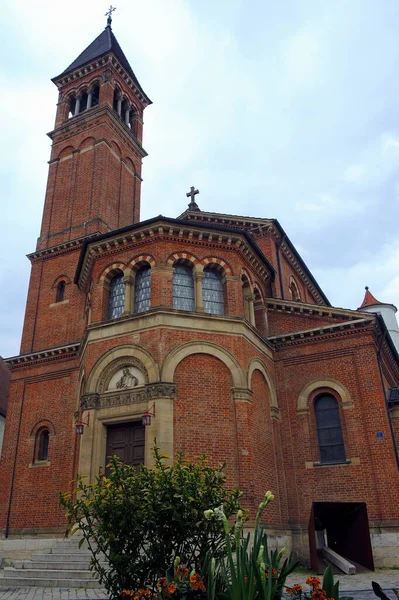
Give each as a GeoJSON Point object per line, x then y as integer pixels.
{"type": "Point", "coordinates": [83, 102]}
{"type": "Point", "coordinates": [142, 290]}
{"type": "Point", "coordinates": [42, 441]}
{"type": "Point", "coordinates": [183, 287]}
{"type": "Point", "coordinates": [329, 430]}
{"type": "Point", "coordinates": [116, 99]}
{"type": "Point", "coordinates": [116, 297]}
{"type": "Point", "coordinates": [95, 95]}
{"type": "Point", "coordinates": [295, 295]}
{"type": "Point", "coordinates": [212, 291]}
{"type": "Point", "coordinates": [60, 294]}
{"type": "Point", "coordinates": [72, 107]}
{"type": "Point", "coordinates": [246, 293]}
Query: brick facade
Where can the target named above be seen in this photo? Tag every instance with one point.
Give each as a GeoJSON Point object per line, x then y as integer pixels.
{"type": "Point", "coordinates": [239, 386]}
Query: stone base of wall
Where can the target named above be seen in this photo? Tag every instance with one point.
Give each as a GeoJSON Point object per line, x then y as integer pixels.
{"type": "Point", "coordinates": [18, 549]}
{"type": "Point", "coordinates": [385, 542]}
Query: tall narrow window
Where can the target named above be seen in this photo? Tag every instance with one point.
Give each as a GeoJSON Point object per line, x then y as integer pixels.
{"type": "Point", "coordinates": [142, 290]}
{"type": "Point", "coordinates": [95, 95]}
{"type": "Point", "coordinates": [183, 287]}
{"type": "Point", "coordinates": [116, 298]}
{"type": "Point", "coordinates": [212, 292]}
{"type": "Point", "coordinates": [41, 444]}
{"type": "Point", "coordinates": [60, 295]}
{"type": "Point", "coordinates": [295, 295]}
{"type": "Point", "coordinates": [329, 429]}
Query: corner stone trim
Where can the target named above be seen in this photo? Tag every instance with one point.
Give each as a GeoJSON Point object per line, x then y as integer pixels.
{"type": "Point", "coordinates": [134, 396]}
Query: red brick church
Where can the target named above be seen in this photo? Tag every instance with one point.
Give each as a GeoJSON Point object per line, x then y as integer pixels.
{"type": "Point", "coordinates": [206, 331]}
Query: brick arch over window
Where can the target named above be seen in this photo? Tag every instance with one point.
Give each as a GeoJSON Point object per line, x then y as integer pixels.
{"type": "Point", "coordinates": [62, 277]}
{"type": "Point", "coordinates": [66, 152]}
{"type": "Point", "coordinates": [308, 392]}
{"type": "Point", "coordinates": [217, 263]}
{"type": "Point", "coordinates": [143, 258]}
{"type": "Point", "coordinates": [177, 355]}
{"type": "Point", "coordinates": [111, 270]}
{"type": "Point", "coordinates": [183, 256]}
{"type": "Point", "coordinates": [43, 423]}
{"type": "Point", "coordinates": [257, 365]}
{"type": "Point", "coordinates": [135, 352]}
{"type": "Point", "coordinates": [245, 276]}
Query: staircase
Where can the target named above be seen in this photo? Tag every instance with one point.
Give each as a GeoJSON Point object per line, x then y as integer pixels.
{"type": "Point", "coordinates": [63, 566]}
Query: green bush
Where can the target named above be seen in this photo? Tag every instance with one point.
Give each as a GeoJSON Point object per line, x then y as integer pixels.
{"type": "Point", "coordinates": [142, 520]}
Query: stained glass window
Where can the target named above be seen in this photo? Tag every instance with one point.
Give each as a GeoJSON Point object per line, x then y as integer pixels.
{"type": "Point", "coordinates": [329, 429]}
{"type": "Point", "coordinates": [116, 298]}
{"type": "Point", "coordinates": [142, 290]}
{"type": "Point", "coordinates": [183, 287]}
{"type": "Point", "coordinates": [212, 292]}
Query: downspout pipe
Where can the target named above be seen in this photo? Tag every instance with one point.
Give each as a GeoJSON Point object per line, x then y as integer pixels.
{"type": "Point", "coordinates": [280, 276]}
{"type": "Point", "coordinates": [384, 332]}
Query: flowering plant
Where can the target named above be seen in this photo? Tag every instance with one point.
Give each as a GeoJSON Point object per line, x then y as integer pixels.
{"type": "Point", "coordinates": [181, 584]}
{"type": "Point", "coordinates": [249, 571]}
{"type": "Point", "coordinates": [328, 590]}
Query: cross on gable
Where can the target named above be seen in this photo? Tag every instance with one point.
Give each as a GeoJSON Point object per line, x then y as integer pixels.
{"type": "Point", "coordinates": [191, 194]}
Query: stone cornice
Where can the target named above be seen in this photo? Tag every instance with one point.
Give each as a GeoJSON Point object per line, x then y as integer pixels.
{"type": "Point", "coordinates": [188, 234]}
{"type": "Point", "coordinates": [304, 308]}
{"type": "Point", "coordinates": [43, 356]}
{"type": "Point", "coordinates": [99, 63]}
{"type": "Point", "coordinates": [150, 391]}
{"type": "Point", "coordinates": [203, 324]}
{"type": "Point", "coordinates": [318, 333]}
{"type": "Point", "coordinates": [261, 228]}
{"type": "Point", "coordinates": [225, 219]}
{"type": "Point", "coordinates": [88, 118]}
{"type": "Point", "coordinates": [58, 249]}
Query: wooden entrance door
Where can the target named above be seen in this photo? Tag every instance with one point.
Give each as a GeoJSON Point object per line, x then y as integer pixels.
{"type": "Point", "coordinates": [126, 440]}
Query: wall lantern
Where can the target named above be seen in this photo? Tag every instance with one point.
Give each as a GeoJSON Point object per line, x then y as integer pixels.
{"type": "Point", "coordinates": [146, 418]}
{"type": "Point", "coordinates": [79, 423]}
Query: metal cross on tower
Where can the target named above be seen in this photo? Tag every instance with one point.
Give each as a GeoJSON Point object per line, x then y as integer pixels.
{"type": "Point", "coordinates": [191, 194]}
{"type": "Point", "coordinates": [109, 15]}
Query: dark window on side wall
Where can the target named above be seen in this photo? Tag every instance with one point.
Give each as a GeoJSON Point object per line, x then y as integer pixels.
{"type": "Point", "coordinates": [42, 444]}
{"type": "Point", "coordinates": [60, 296]}
{"type": "Point", "coordinates": [329, 430]}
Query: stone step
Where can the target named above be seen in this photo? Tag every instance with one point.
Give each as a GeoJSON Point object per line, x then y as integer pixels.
{"type": "Point", "coordinates": [60, 557]}
{"type": "Point", "coordinates": [70, 565]}
{"type": "Point", "coordinates": [27, 574]}
{"type": "Point", "coordinates": [49, 583]}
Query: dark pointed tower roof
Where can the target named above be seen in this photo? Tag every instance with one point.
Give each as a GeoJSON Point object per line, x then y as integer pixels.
{"type": "Point", "coordinates": [103, 44]}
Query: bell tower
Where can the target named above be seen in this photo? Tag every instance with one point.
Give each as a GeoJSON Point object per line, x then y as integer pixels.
{"type": "Point", "coordinates": [95, 166]}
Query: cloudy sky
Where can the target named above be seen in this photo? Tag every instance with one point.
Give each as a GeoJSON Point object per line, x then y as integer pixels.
{"type": "Point", "coordinates": [284, 109]}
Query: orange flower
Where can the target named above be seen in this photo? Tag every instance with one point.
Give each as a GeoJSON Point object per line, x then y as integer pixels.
{"type": "Point", "coordinates": [162, 582]}
{"type": "Point", "coordinates": [196, 583]}
{"type": "Point", "coordinates": [171, 588]}
{"type": "Point", "coordinates": [314, 582]}
{"type": "Point", "coordinates": [318, 594]}
{"type": "Point", "coordinates": [295, 588]}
